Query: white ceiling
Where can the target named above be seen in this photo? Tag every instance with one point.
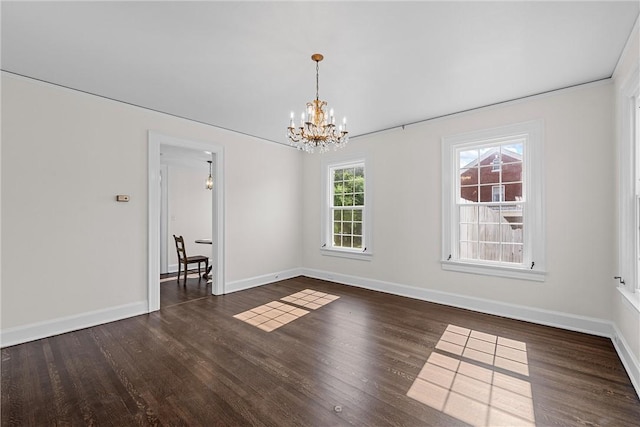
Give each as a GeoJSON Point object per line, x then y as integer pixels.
{"type": "Point", "coordinates": [245, 66]}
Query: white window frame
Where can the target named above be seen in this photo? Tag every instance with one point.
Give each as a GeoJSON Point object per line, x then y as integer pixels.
{"type": "Point", "coordinates": [629, 197]}
{"type": "Point", "coordinates": [534, 263]}
{"type": "Point", "coordinates": [326, 241]}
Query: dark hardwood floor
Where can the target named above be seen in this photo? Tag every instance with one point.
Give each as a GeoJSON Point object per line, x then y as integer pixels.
{"type": "Point", "coordinates": [364, 359]}
{"type": "Point", "coordinates": [172, 292]}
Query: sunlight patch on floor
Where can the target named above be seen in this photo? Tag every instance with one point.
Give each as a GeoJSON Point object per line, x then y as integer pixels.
{"type": "Point", "coordinates": [310, 299]}
{"type": "Point", "coordinates": [275, 314]}
{"type": "Point", "coordinates": [271, 316]}
{"type": "Point", "coordinates": [478, 395]}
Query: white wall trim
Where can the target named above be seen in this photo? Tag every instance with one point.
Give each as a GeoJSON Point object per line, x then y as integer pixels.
{"type": "Point", "coordinates": [38, 330]}
{"type": "Point", "coordinates": [627, 357]}
{"type": "Point", "coordinates": [570, 322]}
{"type": "Point", "coordinates": [265, 279]}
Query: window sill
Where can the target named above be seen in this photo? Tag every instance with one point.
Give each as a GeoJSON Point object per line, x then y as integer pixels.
{"type": "Point", "coordinates": [364, 256]}
{"type": "Point", "coordinates": [494, 270]}
{"type": "Point", "coordinates": [632, 298]}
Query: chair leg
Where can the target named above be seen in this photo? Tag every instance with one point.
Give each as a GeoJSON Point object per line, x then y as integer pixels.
{"type": "Point", "coordinates": [184, 280]}
{"type": "Point", "coordinates": [206, 269]}
{"type": "Point", "coordinates": [179, 268]}
{"type": "Point", "coordinates": [199, 262]}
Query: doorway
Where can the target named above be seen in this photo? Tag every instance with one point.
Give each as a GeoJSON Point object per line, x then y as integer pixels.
{"type": "Point", "coordinates": [157, 224]}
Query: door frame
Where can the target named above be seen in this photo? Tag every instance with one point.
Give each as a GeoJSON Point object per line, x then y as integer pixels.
{"type": "Point", "coordinates": [155, 139]}
{"type": "Point", "coordinates": [164, 221]}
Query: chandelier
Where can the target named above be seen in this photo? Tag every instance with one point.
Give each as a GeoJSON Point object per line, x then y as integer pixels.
{"type": "Point", "coordinates": [317, 128]}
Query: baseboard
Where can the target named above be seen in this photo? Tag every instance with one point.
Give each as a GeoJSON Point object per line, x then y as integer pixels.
{"type": "Point", "coordinates": [252, 282]}
{"type": "Point", "coordinates": [535, 315]}
{"type": "Point", "coordinates": [627, 357]}
{"type": "Point", "coordinates": [35, 331]}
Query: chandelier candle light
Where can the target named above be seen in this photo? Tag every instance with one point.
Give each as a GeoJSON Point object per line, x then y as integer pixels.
{"type": "Point", "coordinates": [317, 129]}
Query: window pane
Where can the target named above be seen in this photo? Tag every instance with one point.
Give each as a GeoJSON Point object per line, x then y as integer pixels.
{"type": "Point", "coordinates": [467, 158]}
{"type": "Point", "coordinates": [346, 241]}
{"type": "Point", "coordinates": [489, 251]}
{"type": "Point", "coordinates": [489, 233]}
{"type": "Point", "coordinates": [469, 194]}
{"type": "Point", "coordinates": [359, 199]}
{"type": "Point", "coordinates": [513, 192]}
{"type": "Point", "coordinates": [468, 250]}
{"type": "Point", "coordinates": [514, 150]}
{"type": "Point", "coordinates": [357, 215]}
{"type": "Point", "coordinates": [469, 176]}
{"type": "Point", "coordinates": [347, 214]}
{"type": "Point", "coordinates": [512, 253]}
{"type": "Point", "coordinates": [511, 233]}
{"type": "Point", "coordinates": [337, 240]}
{"type": "Point", "coordinates": [337, 175]}
{"type": "Point", "coordinates": [468, 232]}
{"type": "Point", "coordinates": [337, 214]}
{"type": "Point", "coordinates": [486, 193]}
{"type": "Point", "coordinates": [488, 175]}
{"type": "Point", "coordinates": [337, 227]}
{"type": "Point", "coordinates": [489, 214]}
{"type": "Point", "coordinates": [357, 242]}
{"type": "Point", "coordinates": [337, 200]}
{"type": "Point", "coordinates": [469, 213]}
{"type": "Point", "coordinates": [346, 228]}
{"type": "Point", "coordinates": [348, 186]}
{"type": "Point", "coordinates": [512, 172]}
{"type": "Point", "coordinates": [357, 228]}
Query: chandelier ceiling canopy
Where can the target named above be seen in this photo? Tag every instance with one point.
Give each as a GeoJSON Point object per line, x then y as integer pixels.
{"type": "Point", "coordinates": [317, 129]}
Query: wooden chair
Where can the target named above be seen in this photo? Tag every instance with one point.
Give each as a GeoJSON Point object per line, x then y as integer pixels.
{"type": "Point", "coordinates": [185, 260]}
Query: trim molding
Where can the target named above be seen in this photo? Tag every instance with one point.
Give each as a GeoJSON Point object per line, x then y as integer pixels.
{"type": "Point", "coordinates": [265, 279]}
{"type": "Point", "coordinates": [627, 358]}
{"type": "Point", "coordinates": [556, 319]}
{"type": "Point", "coordinates": [38, 330]}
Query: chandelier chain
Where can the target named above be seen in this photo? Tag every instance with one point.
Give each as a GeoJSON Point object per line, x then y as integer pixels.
{"type": "Point", "coordinates": [317, 80]}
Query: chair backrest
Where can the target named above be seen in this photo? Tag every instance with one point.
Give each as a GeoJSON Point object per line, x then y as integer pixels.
{"type": "Point", "coordinates": [180, 249]}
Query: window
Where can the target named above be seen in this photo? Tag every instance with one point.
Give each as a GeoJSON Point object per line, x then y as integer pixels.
{"type": "Point", "coordinates": [492, 202]}
{"type": "Point", "coordinates": [346, 222]}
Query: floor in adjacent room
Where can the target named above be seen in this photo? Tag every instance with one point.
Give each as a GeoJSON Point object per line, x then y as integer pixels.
{"type": "Point", "coordinates": [308, 352]}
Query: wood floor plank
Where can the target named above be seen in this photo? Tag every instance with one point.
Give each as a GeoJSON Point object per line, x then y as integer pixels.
{"type": "Point", "coordinates": [349, 362]}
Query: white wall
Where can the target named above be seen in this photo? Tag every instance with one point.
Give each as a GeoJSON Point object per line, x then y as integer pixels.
{"type": "Point", "coordinates": [70, 251]}
{"type": "Point", "coordinates": [578, 167]}
{"type": "Point", "coordinates": [189, 213]}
